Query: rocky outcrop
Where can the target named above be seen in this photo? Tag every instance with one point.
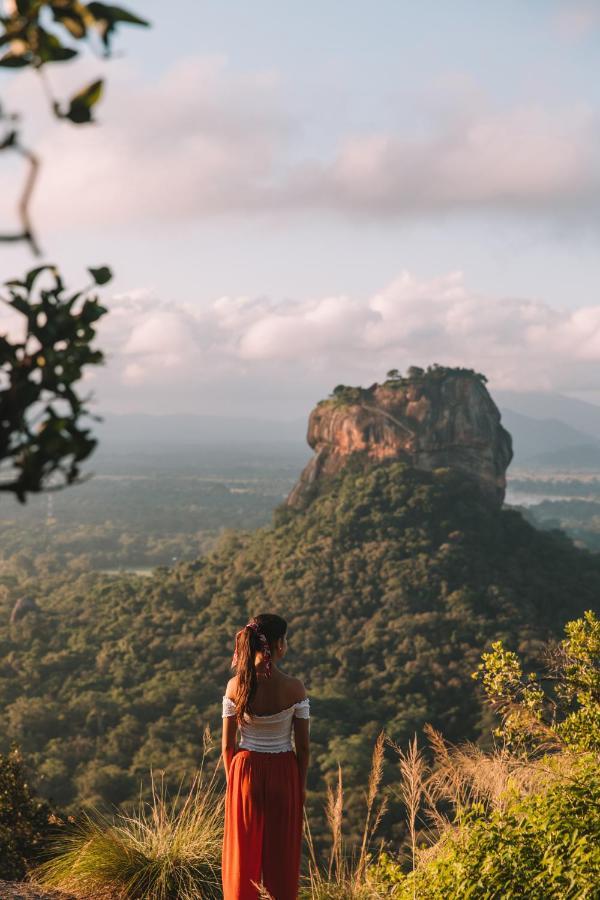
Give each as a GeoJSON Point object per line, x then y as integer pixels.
{"type": "Point", "coordinates": [23, 606]}
{"type": "Point", "coordinates": [439, 418]}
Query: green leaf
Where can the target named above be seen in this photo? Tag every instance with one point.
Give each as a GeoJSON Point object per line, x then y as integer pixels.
{"type": "Point", "coordinates": [72, 21]}
{"type": "Point", "coordinates": [9, 141]}
{"type": "Point", "coordinates": [61, 54]}
{"type": "Point", "coordinates": [108, 17]}
{"type": "Point", "coordinates": [102, 275]}
{"type": "Point", "coordinates": [24, 7]}
{"type": "Point", "coordinates": [14, 60]}
{"type": "Point", "coordinates": [80, 107]}
{"type": "Point", "coordinates": [32, 275]}
{"type": "Point", "coordinates": [112, 14]}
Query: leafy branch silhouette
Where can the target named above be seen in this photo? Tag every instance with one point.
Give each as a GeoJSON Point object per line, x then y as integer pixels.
{"type": "Point", "coordinates": [42, 440]}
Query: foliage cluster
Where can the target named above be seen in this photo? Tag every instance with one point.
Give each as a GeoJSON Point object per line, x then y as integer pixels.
{"type": "Point", "coordinates": [392, 583]}
{"type": "Point", "coordinates": [25, 820]}
{"type": "Point", "coordinates": [433, 372]}
{"type": "Point", "coordinates": [345, 395]}
{"type": "Point", "coordinates": [526, 818]}
{"type": "Point", "coordinates": [41, 437]}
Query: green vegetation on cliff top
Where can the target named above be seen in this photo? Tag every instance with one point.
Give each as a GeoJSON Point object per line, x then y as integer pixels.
{"type": "Point", "coordinates": [435, 373]}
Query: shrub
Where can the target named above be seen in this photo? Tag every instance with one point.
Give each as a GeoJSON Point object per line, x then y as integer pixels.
{"type": "Point", "coordinates": [545, 846]}
{"type": "Point", "coordinates": [524, 819]}
{"type": "Point", "coordinates": [25, 820]}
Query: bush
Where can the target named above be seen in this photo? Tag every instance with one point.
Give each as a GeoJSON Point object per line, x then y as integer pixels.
{"type": "Point", "coordinates": [545, 846]}
{"type": "Point", "coordinates": [25, 821]}
{"type": "Point", "coordinates": [526, 819]}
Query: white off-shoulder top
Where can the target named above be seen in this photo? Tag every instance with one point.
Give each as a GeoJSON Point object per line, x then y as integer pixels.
{"type": "Point", "coordinates": [268, 734]}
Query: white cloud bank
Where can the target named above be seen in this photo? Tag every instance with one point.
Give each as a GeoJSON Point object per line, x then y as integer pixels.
{"type": "Point", "coordinates": [205, 141]}
{"type": "Point", "coordinates": [259, 356]}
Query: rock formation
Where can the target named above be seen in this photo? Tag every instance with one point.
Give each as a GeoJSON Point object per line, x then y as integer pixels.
{"type": "Point", "coordinates": [437, 418]}
{"type": "Point", "coordinates": [22, 607]}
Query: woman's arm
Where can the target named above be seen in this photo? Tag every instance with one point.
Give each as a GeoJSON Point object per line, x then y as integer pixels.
{"type": "Point", "coordinates": [302, 742]}
{"type": "Point", "coordinates": [228, 742]}
{"type": "Point", "coordinates": [229, 725]}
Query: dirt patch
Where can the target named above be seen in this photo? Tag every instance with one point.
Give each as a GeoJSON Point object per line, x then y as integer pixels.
{"type": "Point", "coordinates": [22, 890]}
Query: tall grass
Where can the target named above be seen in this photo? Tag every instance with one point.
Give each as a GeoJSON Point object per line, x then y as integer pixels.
{"type": "Point", "coordinates": [436, 792]}
{"type": "Point", "coordinates": [169, 848]}
{"type": "Point", "coordinates": [345, 875]}
{"type": "Point", "coordinates": [413, 788]}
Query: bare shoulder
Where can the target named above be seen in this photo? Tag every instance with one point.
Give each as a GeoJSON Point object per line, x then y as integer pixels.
{"type": "Point", "coordinates": [294, 688]}
{"type": "Point", "coordinates": [231, 689]}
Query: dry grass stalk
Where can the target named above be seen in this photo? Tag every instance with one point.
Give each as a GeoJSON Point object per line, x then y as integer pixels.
{"type": "Point", "coordinates": [466, 774]}
{"type": "Point", "coordinates": [371, 824]}
{"type": "Point", "coordinates": [334, 812]}
{"type": "Point", "coordinates": [345, 876]}
{"type": "Point", "coordinates": [413, 771]}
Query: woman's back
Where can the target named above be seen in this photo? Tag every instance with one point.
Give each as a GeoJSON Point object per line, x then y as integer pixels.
{"type": "Point", "coordinates": [268, 728]}
{"type": "Point", "coordinates": [268, 733]}
{"type": "Point", "coordinates": [272, 695]}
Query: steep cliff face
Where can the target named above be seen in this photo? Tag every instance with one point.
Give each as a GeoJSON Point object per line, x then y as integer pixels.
{"type": "Point", "coordinates": [439, 418]}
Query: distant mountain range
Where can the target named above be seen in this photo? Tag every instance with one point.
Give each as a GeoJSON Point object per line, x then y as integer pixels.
{"type": "Point", "coordinates": [548, 430]}
{"type": "Point", "coordinates": [544, 441]}
{"type": "Point", "coordinates": [577, 414]}
{"type": "Point", "coordinates": [551, 431]}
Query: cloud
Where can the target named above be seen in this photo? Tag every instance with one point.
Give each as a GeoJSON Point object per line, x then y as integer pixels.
{"type": "Point", "coordinates": [525, 160]}
{"type": "Point", "coordinates": [238, 354]}
{"type": "Point", "coordinates": [199, 140]}
{"type": "Point", "coordinates": [205, 141]}
{"type": "Point", "coordinates": [575, 21]}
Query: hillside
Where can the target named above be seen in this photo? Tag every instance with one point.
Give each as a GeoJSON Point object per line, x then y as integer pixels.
{"type": "Point", "coordinates": [392, 584]}
{"type": "Point", "coordinates": [393, 580]}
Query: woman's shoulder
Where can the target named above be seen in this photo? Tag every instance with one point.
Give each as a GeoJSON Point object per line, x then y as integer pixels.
{"type": "Point", "coordinates": [295, 689]}
{"type": "Point", "coordinates": [231, 689]}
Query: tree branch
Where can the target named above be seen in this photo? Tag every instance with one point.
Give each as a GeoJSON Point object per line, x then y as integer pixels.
{"type": "Point", "coordinates": [27, 233]}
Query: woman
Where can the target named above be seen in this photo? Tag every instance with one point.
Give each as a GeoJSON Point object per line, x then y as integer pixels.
{"type": "Point", "coordinates": [266, 780]}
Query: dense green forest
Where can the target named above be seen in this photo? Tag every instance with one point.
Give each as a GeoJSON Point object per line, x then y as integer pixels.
{"type": "Point", "coordinates": [392, 583]}
{"type": "Point", "coordinates": [580, 519]}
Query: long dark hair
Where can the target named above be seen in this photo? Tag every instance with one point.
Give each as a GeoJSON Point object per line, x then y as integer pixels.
{"type": "Point", "coordinates": [248, 644]}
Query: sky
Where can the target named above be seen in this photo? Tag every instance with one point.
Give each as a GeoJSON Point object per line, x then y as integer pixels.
{"type": "Point", "coordinates": [297, 195]}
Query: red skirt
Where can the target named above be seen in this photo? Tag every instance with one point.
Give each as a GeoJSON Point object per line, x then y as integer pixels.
{"type": "Point", "coordinates": [263, 826]}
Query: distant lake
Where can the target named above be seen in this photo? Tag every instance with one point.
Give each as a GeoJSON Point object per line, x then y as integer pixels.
{"type": "Point", "coordinates": [141, 570]}
{"type": "Point", "coordinates": [523, 498]}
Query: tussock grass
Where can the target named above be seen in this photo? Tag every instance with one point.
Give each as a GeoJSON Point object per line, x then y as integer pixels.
{"type": "Point", "coordinates": [169, 848]}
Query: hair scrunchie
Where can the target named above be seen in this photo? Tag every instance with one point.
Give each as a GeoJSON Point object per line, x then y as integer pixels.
{"type": "Point", "coordinates": [266, 650]}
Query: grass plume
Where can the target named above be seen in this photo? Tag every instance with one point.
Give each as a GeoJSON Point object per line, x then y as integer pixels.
{"type": "Point", "coordinates": [346, 876]}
